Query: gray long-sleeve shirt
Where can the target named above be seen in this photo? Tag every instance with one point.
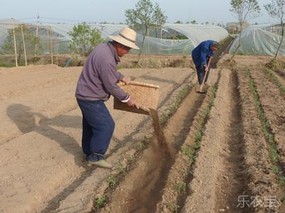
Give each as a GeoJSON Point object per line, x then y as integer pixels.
{"type": "Point", "coordinates": [99, 77]}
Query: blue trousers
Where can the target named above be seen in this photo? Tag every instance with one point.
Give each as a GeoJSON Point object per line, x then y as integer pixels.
{"type": "Point", "coordinates": [97, 128]}
{"type": "Point", "coordinates": [201, 73]}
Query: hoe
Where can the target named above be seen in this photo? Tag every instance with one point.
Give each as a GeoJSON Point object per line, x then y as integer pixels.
{"type": "Point", "coordinates": [203, 82]}
{"type": "Point", "coordinates": [205, 77]}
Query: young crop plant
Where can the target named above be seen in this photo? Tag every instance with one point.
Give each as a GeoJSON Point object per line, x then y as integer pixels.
{"type": "Point", "coordinates": [172, 207]}
{"type": "Point", "coordinates": [178, 100]}
{"type": "Point", "coordinates": [112, 180]}
{"type": "Point", "coordinates": [101, 201]}
{"type": "Point", "coordinates": [189, 152]}
{"type": "Point", "coordinates": [275, 80]}
{"type": "Point", "coordinates": [141, 145]}
{"type": "Point", "coordinates": [183, 92]}
{"type": "Point", "coordinates": [204, 115]}
{"type": "Point", "coordinates": [266, 128]}
{"type": "Point", "coordinates": [181, 187]}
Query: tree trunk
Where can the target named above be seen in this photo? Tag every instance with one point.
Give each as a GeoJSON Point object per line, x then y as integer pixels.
{"type": "Point", "coordinates": [15, 47]}
{"type": "Point", "coordinates": [282, 38]}
{"type": "Point", "coordinates": [146, 29]}
{"type": "Point", "coordinates": [24, 46]}
{"type": "Point", "coordinates": [50, 46]}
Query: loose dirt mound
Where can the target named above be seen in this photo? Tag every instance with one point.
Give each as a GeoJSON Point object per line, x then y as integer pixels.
{"type": "Point", "coordinates": [223, 151]}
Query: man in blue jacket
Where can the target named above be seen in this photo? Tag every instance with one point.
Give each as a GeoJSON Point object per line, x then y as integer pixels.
{"type": "Point", "coordinates": [202, 55]}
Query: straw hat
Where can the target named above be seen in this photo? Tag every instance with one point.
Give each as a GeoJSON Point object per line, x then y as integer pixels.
{"type": "Point", "coordinates": [126, 37]}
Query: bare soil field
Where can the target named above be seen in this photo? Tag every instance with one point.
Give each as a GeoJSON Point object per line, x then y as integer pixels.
{"type": "Point", "coordinates": [223, 151]}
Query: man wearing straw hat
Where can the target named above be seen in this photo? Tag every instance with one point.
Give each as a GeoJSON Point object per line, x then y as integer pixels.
{"type": "Point", "coordinates": [98, 80]}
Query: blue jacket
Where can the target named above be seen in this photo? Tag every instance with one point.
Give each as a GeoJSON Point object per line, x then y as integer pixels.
{"type": "Point", "coordinates": [202, 53]}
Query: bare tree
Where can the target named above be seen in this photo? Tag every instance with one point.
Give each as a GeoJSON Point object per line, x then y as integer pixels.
{"type": "Point", "coordinates": [244, 10]}
{"type": "Point", "coordinates": [144, 16]}
{"type": "Point", "coordinates": [276, 9]}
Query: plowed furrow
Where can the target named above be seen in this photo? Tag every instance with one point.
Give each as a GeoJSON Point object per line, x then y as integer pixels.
{"type": "Point", "coordinates": [232, 181]}
{"type": "Point", "coordinates": [144, 184]}
{"type": "Point", "coordinates": [218, 176]}
{"type": "Point", "coordinates": [257, 151]}
{"type": "Point", "coordinates": [274, 128]}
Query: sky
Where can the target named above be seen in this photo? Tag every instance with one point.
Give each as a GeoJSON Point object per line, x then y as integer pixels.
{"type": "Point", "coordinates": [113, 11]}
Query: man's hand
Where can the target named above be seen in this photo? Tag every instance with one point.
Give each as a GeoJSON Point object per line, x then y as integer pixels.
{"type": "Point", "coordinates": [132, 103]}
{"type": "Point", "coordinates": [126, 80]}
{"type": "Point", "coordinates": [206, 68]}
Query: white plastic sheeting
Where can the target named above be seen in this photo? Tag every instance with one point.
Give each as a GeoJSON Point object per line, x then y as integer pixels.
{"type": "Point", "coordinates": [5, 25]}
{"type": "Point", "coordinates": [258, 40]}
{"type": "Point", "coordinates": [194, 32]}
{"type": "Point", "coordinates": [58, 33]}
{"type": "Point", "coordinates": [198, 33]}
{"type": "Point", "coordinates": [164, 46]}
